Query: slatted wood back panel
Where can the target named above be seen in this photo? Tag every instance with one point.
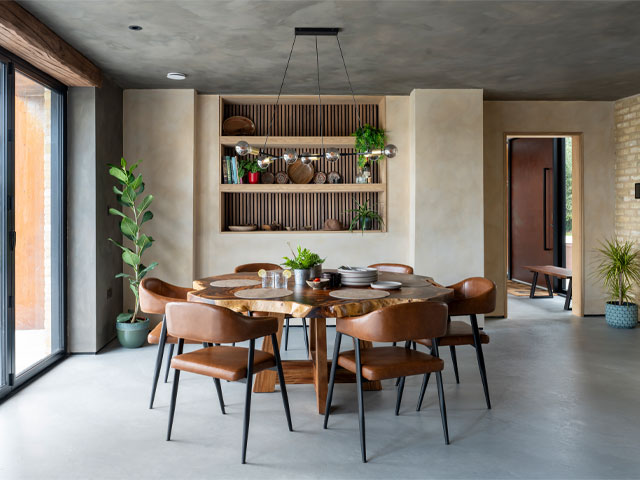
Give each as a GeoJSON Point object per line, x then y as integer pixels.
{"type": "Point", "coordinates": [295, 210]}
{"type": "Point", "coordinates": [304, 120]}
{"type": "Point", "coordinates": [346, 167]}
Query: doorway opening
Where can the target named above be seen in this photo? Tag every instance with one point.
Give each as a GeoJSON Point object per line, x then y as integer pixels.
{"type": "Point", "coordinates": [540, 210]}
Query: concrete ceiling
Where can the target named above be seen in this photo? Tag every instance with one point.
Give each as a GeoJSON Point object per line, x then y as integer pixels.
{"type": "Point", "coordinates": [575, 50]}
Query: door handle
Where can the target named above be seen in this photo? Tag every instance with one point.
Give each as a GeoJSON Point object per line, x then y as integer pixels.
{"type": "Point", "coordinates": [547, 208]}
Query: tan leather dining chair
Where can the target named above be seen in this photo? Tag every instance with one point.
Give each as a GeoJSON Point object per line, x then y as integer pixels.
{"type": "Point", "coordinates": [472, 296]}
{"type": "Point", "coordinates": [154, 295]}
{"type": "Point", "coordinates": [396, 323]}
{"type": "Point", "coordinates": [254, 267]}
{"type": "Point", "coordinates": [392, 268]}
{"type": "Point", "coordinates": [211, 324]}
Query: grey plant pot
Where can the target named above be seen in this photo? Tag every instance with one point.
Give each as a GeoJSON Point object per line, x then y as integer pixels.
{"type": "Point", "coordinates": [300, 276]}
{"type": "Point", "coordinates": [621, 316]}
{"type": "Point", "coordinates": [132, 335]}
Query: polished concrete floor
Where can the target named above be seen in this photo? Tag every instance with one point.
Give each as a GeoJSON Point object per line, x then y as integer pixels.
{"type": "Point", "coordinates": [565, 394]}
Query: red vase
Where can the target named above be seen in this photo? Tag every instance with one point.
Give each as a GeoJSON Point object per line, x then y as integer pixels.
{"type": "Point", "coordinates": [254, 177]}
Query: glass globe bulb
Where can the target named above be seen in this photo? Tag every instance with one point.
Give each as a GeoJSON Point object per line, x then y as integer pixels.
{"type": "Point", "coordinates": [390, 151]}
{"type": "Point", "coordinates": [305, 158]}
{"type": "Point", "coordinates": [243, 148]}
{"type": "Point", "coordinates": [263, 161]}
{"type": "Point", "coordinates": [332, 155]}
{"type": "Point", "coordinates": [290, 156]}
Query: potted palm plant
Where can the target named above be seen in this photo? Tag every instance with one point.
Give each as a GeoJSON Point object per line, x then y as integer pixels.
{"type": "Point", "coordinates": [619, 270]}
{"type": "Point", "coordinates": [363, 216]}
{"type": "Point", "coordinates": [132, 330]}
{"type": "Point", "coordinates": [305, 264]}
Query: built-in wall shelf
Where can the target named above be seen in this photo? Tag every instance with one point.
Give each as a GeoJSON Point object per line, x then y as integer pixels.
{"type": "Point", "coordinates": [306, 188]}
{"type": "Point", "coordinates": [298, 122]}
{"type": "Point", "coordinates": [274, 142]}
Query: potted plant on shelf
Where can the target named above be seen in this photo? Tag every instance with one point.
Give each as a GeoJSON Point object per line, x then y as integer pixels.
{"type": "Point", "coordinates": [619, 270]}
{"type": "Point", "coordinates": [305, 264]}
{"type": "Point", "coordinates": [363, 216]}
{"type": "Point", "coordinates": [251, 166]}
{"type": "Point", "coordinates": [132, 330]}
{"type": "Point", "coordinates": [368, 138]}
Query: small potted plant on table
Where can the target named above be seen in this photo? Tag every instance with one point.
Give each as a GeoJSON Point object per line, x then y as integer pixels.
{"type": "Point", "coordinates": [363, 216]}
{"type": "Point", "coordinates": [619, 270]}
{"type": "Point", "coordinates": [132, 330]}
{"type": "Point", "coordinates": [305, 265]}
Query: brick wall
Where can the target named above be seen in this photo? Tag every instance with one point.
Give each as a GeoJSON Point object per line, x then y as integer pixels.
{"type": "Point", "coordinates": [627, 130]}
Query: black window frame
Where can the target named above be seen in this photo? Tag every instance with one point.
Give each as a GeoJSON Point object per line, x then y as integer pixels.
{"type": "Point", "coordinates": [9, 382]}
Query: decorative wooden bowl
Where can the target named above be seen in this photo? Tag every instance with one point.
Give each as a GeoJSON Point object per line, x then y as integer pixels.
{"type": "Point", "coordinates": [238, 126]}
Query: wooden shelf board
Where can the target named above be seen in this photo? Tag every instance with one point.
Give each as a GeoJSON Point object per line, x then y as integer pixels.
{"type": "Point", "coordinates": [319, 232]}
{"type": "Point", "coordinates": [302, 188]}
{"type": "Point", "coordinates": [301, 99]}
{"type": "Point", "coordinates": [274, 142]}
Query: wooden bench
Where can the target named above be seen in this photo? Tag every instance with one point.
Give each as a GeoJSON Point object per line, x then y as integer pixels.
{"type": "Point", "coordinates": [551, 271]}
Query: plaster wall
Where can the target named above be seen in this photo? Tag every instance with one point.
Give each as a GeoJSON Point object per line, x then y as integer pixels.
{"type": "Point", "coordinates": [595, 121]}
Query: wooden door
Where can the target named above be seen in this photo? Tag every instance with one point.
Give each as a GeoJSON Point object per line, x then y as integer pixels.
{"type": "Point", "coordinates": [531, 205]}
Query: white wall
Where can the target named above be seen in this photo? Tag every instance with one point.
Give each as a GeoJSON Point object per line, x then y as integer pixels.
{"type": "Point", "coordinates": [446, 193]}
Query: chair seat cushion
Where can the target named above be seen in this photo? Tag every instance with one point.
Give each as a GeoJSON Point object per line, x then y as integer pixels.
{"type": "Point", "coordinates": [154, 337]}
{"type": "Point", "coordinates": [227, 363]}
{"type": "Point", "coordinates": [458, 333]}
{"type": "Point", "coordinates": [380, 363]}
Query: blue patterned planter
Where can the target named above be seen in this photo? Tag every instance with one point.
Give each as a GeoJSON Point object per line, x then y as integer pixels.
{"type": "Point", "coordinates": [621, 316]}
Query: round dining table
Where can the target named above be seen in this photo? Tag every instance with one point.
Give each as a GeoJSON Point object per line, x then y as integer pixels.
{"type": "Point", "coordinates": [316, 305]}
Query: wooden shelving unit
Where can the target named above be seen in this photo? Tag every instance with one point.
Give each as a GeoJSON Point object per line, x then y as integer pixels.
{"type": "Point", "coordinates": [296, 125]}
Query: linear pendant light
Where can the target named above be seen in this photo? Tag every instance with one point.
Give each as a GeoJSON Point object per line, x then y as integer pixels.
{"type": "Point", "coordinates": [290, 155]}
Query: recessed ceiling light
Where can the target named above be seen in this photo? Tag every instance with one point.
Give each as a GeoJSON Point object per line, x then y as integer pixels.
{"type": "Point", "coordinates": [135, 28]}
{"type": "Point", "coordinates": [176, 76]}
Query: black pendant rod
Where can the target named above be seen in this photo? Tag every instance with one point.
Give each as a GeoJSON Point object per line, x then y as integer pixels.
{"type": "Point", "coordinates": [319, 97]}
{"type": "Point", "coordinates": [355, 103]}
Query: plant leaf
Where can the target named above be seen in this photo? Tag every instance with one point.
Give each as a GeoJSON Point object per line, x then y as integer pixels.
{"type": "Point", "coordinates": [137, 182]}
{"type": "Point", "coordinates": [123, 275]}
{"type": "Point", "coordinates": [146, 201]}
{"type": "Point", "coordinates": [119, 174]}
{"type": "Point", "coordinates": [129, 196]}
{"type": "Point", "coordinates": [148, 269]}
{"type": "Point", "coordinates": [148, 215]}
{"type": "Point", "coordinates": [124, 317]}
{"type": "Point", "coordinates": [123, 163]}
{"type": "Point", "coordinates": [113, 211]}
{"type": "Point", "coordinates": [130, 258]}
{"type": "Point", "coordinates": [116, 191]}
{"type": "Point", "coordinates": [129, 228]}
{"type": "Point", "coordinates": [118, 244]}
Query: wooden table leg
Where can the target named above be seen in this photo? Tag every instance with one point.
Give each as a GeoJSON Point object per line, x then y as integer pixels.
{"type": "Point", "coordinates": [265, 381]}
{"type": "Point", "coordinates": [318, 348]}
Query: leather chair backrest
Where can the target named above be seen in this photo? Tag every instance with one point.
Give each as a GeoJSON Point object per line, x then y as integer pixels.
{"type": "Point", "coordinates": [392, 267]}
{"type": "Point", "coordinates": [396, 323]}
{"type": "Point", "coordinates": [473, 295]}
{"type": "Point", "coordinates": [209, 323]}
{"type": "Point", "coordinates": [155, 294]}
{"type": "Point", "coordinates": [254, 267]}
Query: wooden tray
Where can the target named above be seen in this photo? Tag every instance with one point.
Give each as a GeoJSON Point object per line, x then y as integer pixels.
{"type": "Point", "coordinates": [300, 173]}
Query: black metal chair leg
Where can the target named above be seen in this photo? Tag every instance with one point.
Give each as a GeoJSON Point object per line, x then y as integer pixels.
{"type": "Point", "coordinates": [443, 408]}
{"type": "Point", "coordinates": [363, 446]}
{"type": "Point", "coordinates": [332, 377]}
{"type": "Point", "coordinates": [399, 395]}
{"type": "Point", "coordinates": [247, 401]}
{"type": "Point", "coordinates": [454, 360]}
{"type": "Point", "coordinates": [219, 392]}
{"type": "Point", "coordinates": [156, 372]}
{"type": "Point", "coordinates": [168, 365]}
{"type": "Point", "coordinates": [283, 386]}
{"type": "Point", "coordinates": [423, 389]}
{"type": "Point", "coordinates": [480, 357]}
{"type": "Point", "coordinates": [306, 336]}
{"type": "Point", "coordinates": [174, 392]}
{"type": "Point", "coordinates": [286, 334]}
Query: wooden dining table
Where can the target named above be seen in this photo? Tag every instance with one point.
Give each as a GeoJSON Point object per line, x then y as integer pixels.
{"type": "Point", "coordinates": [316, 305]}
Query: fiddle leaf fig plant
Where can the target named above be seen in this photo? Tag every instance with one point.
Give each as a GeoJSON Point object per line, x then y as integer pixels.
{"type": "Point", "coordinates": [369, 138]}
{"type": "Point", "coordinates": [129, 195]}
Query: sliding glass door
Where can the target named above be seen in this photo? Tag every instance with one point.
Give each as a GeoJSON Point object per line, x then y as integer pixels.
{"type": "Point", "coordinates": [32, 316]}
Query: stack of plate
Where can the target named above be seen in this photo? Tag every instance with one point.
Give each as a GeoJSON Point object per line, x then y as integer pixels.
{"type": "Point", "coordinates": [358, 276]}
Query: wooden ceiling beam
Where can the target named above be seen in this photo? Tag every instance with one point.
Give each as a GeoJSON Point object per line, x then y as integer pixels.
{"type": "Point", "coordinates": [27, 37]}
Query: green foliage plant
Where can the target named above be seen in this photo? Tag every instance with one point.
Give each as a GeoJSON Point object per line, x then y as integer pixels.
{"type": "Point", "coordinates": [369, 138]}
{"type": "Point", "coordinates": [361, 213]}
{"type": "Point", "coordinates": [303, 259]}
{"type": "Point", "coordinates": [619, 269]}
{"type": "Point", "coordinates": [129, 195]}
